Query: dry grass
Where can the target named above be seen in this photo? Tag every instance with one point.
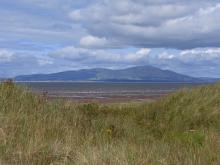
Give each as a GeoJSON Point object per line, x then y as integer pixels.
{"type": "Point", "coordinates": [183, 128]}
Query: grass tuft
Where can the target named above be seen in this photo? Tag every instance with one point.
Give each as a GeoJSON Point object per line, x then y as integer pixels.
{"type": "Point", "coordinates": [183, 128]}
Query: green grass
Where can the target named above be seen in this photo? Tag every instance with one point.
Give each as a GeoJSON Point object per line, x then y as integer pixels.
{"type": "Point", "coordinates": [183, 128]}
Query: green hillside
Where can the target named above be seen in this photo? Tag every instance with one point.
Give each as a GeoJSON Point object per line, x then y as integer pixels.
{"type": "Point", "coordinates": [138, 73]}
{"type": "Point", "coordinates": [183, 128]}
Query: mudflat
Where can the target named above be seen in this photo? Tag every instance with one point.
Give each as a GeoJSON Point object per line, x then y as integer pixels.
{"type": "Point", "coordinates": [103, 92]}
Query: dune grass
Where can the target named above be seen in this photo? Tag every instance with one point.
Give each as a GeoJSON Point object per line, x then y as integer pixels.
{"type": "Point", "coordinates": [183, 128]}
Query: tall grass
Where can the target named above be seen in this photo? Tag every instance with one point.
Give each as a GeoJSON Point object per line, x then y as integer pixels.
{"type": "Point", "coordinates": [183, 128]}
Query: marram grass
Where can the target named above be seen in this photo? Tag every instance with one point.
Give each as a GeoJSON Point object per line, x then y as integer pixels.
{"type": "Point", "coordinates": [183, 128]}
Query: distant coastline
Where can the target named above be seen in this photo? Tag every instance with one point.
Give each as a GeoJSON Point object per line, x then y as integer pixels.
{"type": "Point", "coordinates": [157, 82]}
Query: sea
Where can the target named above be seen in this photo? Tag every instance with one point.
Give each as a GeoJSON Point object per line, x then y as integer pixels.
{"type": "Point", "coordinates": [105, 91]}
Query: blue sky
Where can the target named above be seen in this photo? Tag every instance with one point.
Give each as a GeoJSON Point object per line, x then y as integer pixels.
{"type": "Point", "coordinates": [38, 36]}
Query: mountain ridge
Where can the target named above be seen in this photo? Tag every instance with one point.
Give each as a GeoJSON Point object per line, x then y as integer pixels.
{"type": "Point", "coordinates": [131, 74]}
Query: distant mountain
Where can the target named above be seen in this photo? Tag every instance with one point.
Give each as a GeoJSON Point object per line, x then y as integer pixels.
{"type": "Point", "coordinates": [133, 74]}
{"type": "Point", "coordinates": [2, 79]}
{"type": "Point", "coordinates": [209, 79]}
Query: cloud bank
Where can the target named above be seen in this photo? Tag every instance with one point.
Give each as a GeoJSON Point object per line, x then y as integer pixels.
{"type": "Point", "coordinates": [48, 36]}
{"type": "Point", "coordinates": [167, 24]}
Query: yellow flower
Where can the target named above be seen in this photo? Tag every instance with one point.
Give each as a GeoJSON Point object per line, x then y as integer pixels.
{"type": "Point", "coordinates": [109, 131]}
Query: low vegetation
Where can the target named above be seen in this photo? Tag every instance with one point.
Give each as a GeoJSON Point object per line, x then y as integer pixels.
{"type": "Point", "coordinates": [183, 128]}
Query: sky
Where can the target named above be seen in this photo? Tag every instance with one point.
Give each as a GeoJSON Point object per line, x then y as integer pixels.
{"type": "Point", "coordinates": [38, 36]}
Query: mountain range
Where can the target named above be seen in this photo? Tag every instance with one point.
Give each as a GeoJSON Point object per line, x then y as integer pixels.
{"type": "Point", "coordinates": [132, 74]}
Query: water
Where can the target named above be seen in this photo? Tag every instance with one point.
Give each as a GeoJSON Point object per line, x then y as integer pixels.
{"type": "Point", "coordinates": [109, 92]}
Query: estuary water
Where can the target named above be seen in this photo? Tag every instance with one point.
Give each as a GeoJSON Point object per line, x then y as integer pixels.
{"type": "Point", "coordinates": [105, 91]}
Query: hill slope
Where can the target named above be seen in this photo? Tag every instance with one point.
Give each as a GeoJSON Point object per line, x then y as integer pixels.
{"type": "Point", "coordinates": [183, 128]}
{"type": "Point", "coordinates": [140, 73]}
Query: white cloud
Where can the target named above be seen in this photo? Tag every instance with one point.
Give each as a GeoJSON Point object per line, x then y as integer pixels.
{"type": "Point", "coordinates": [109, 33]}
{"type": "Point", "coordinates": [100, 55]}
{"type": "Point", "coordinates": [143, 51]}
{"type": "Point", "coordinates": [200, 54]}
{"type": "Point", "coordinates": [76, 15]}
{"type": "Point", "coordinates": [43, 62]}
{"type": "Point", "coordinates": [165, 56]}
{"type": "Point", "coordinates": [5, 55]}
{"type": "Point", "coordinates": [173, 24]}
{"type": "Point", "coordinates": [94, 42]}
{"type": "Point", "coordinates": [194, 62]}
